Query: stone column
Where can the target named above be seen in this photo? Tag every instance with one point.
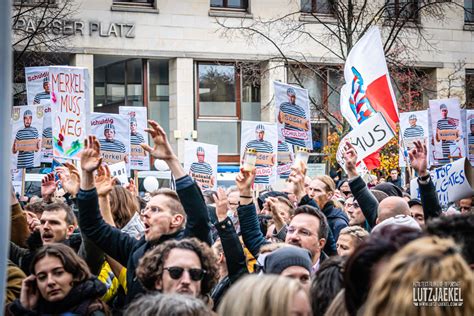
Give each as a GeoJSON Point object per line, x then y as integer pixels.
{"type": "Point", "coordinates": [181, 90]}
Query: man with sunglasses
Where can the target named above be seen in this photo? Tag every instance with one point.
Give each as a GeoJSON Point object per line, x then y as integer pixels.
{"type": "Point", "coordinates": [167, 216]}
{"type": "Point", "coordinates": [185, 267]}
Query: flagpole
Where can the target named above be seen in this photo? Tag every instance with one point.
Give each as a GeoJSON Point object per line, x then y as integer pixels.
{"type": "Point", "coordinates": [5, 131]}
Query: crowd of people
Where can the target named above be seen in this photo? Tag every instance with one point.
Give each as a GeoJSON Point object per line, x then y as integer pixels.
{"type": "Point", "coordinates": [317, 247]}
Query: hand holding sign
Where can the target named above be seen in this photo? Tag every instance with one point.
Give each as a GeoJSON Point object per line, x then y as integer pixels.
{"type": "Point", "coordinates": [418, 158]}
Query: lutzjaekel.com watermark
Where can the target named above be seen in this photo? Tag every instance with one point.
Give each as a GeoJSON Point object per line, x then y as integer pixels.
{"type": "Point", "coordinates": [445, 293]}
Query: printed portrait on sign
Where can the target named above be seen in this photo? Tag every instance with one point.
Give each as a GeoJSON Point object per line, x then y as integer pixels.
{"type": "Point", "coordinates": [413, 127]}
{"type": "Point", "coordinates": [201, 164]}
{"type": "Point", "coordinates": [139, 158]}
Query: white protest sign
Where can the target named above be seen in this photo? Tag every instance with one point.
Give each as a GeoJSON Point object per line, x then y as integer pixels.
{"type": "Point", "coordinates": [37, 85]}
{"type": "Point", "coordinates": [139, 158]}
{"type": "Point", "coordinates": [17, 180]}
{"type": "Point", "coordinates": [119, 170]}
{"type": "Point", "coordinates": [367, 138]}
{"type": "Point", "coordinates": [292, 115]}
{"type": "Point", "coordinates": [113, 133]}
{"type": "Point", "coordinates": [413, 127]}
{"type": "Point", "coordinates": [262, 137]}
{"type": "Point", "coordinates": [69, 103]}
{"type": "Point", "coordinates": [200, 162]}
{"type": "Point", "coordinates": [452, 182]}
{"type": "Point", "coordinates": [27, 124]}
{"type": "Point", "coordinates": [285, 159]}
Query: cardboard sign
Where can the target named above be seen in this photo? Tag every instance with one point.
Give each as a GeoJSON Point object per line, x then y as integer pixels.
{"type": "Point", "coordinates": [367, 138]}
{"type": "Point", "coordinates": [119, 170]}
{"type": "Point", "coordinates": [446, 132]}
{"type": "Point", "coordinates": [139, 159]}
{"type": "Point", "coordinates": [200, 162]}
{"type": "Point", "coordinates": [70, 103]}
{"type": "Point", "coordinates": [27, 122]}
{"type": "Point", "coordinates": [414, 126]}
{"type": "Point", "coordinates": [285, 159]}
{"type": "Point", "coordinates": [262, 137]}
{"type": "Point", "coordinates": [113, 133]}
{"type": "Point", "coordinates": [293, 115]}
{"type": "Point", "coordinates": [37, 85]}
{"type": "Point", "coordinates": [452, 182]}
{"type": "Point", "coordinates": [316, 169]}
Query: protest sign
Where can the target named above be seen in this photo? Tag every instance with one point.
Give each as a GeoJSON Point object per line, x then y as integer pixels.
{"type": "Point", "coordinates": [200, 162]}
{"type": "Point", "coordinates": [367, 138]}
{"type": "Point", "coordinates": [139, 158]}
{"type": "Point", "coordinates": [292, 115]}
{"type": "Point", "coordinates": [262, 137]}
{"type": "Point", "coordinates": [69, 88]}
{"type": "Point", "coordinates": [113, 133]}
{"type": "Point", "coordinates": [447, 130]}
{"type": "Point", "coordinates": [27, 122]}
{"type": "Point", "coordinates": [413, 127]}
{"type": "Point", "coordinates": [453, 182]}
{"type": "Point", "coordinates": [37, 85]}
{"type": "Point", "coordinates": [316, 169]}
{"type": "Point", "coordinates": [470, 134]}
{"type": "Point", "coordinates": [285, 159]}
{"type": "Point", "coordinates": [18, 179]}
{"type": "Point", "coordinates": [119, 170]}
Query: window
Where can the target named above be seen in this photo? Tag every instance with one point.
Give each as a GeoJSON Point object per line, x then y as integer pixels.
{"type": "Point", "coordinates": [34, 2]}
{"type": "Point", "coordinates": [117, 83]}
{"type": "Point", "coordinates": [402, 10]}
{"type": "Point", "coordinates": [317, 6]}
{"type": "Point", "coordinates": [226, 94]}
{"type": "Point", "coordinates": [469, 11]}
{"type": "Point", "coordinates": [229, 4]}
{"type": "Point", "coordinates": [138, 3]}
{"type": "Point", "coordinates": [158, 93]}
{"type": "Point", "coordinates": [470, 88]}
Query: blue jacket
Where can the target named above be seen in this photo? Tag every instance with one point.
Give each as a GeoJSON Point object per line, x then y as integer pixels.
{"type": "Point", "coordinates": [336, 217]}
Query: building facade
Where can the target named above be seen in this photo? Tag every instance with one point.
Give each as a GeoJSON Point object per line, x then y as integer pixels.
{"type": "Point", "coordinates": [175, 58]}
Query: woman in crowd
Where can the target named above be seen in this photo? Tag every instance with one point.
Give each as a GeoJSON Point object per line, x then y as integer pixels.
{"type": "Point", "coordinates": [265, 295]}
{"type": "Point", "coordinates": [60, 283]}
{"type": "Point", "coordinates": [398, 289]}
{"type": "Point", "coordinates": [349, 239]}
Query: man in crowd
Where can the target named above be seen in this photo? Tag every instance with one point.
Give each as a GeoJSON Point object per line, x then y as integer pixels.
{"type": "Point", "coordinates": [167, 215]}
{"type": "Point", "coordinates": [394, 178]}
{"type": "Point", "coordinates": [28, 133]}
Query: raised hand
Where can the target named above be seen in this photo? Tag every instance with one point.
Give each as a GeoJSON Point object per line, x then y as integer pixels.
{"type": "Point", "coordinates": [70, 178]}
{"type": "Point", "coordinates": [296, 178]}
{"type": "Point", "coordinates": [29, 294]}
{"type": "Point", "coordinates": [131, 187]}
{"type": "Point", "coordinates": [418, 158]}
{"type": "Point", "coordinates": [48, 186]}
{"type": "Point", "coordinates": [221, 204]}
{"type": "Point", "coordinates": [162, 148]}
{"type": "Point", "coordinates": [90, 156]}
{"type": "Point", "coordinates": [33, 222]}
{"type": "Point", "coordinates": [103, 181]}
{"type": "Point", "coordinates": [244, 181]}
{"type": "Point", "coordinates": [270, 204]}
{"type": "Point", "coordinates": [350, 158]}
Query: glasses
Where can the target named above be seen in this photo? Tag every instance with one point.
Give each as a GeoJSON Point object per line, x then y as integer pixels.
{"type": "Point", "coordinates": [177, 272]}
{"type": "Point", "coordinates": [152, 209]}
{"type": "Point", "coordinates": [354, 205]}
{"type": "Point", "coordinates": [301, 232]}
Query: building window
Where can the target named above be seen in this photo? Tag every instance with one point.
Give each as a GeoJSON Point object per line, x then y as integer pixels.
{"type": "Point", "coordinates": [470, 88]}
{"type": "Point", "coordinates": [317, 6]}
{"type": "Point", "coordinates": [158, 92]}
{"type": "Point", "coordinates": [229, 4]}
{"type": "Point", "coordinates": [469, 11]}
{"type": "Point", "coordinates": [117, 83]}
{"type": "Point", "coordinates": [226, 95]}
{"type": "Point", "coordinates": [402, 10]}
{"type": "Point", "coordinates": [138, 3]}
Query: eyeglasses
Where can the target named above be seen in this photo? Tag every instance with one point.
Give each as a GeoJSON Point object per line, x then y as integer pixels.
{"type": "Point", "coordinates": [302, 232]}
{"type": "Point", "coordinates": [152, 209]}
{"type": "Point", "coordinates": [354, 205]}
{"type": "Point", "coordinates": [177, 272]}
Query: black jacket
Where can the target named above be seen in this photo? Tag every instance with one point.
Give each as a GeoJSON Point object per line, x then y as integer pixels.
{"type": "Point", "coordinates": [83, 299]}
{"type": "Point", "coordinates": [367, 201]}
{"type": "Point", "coordinates": [337, 220]}
{"type": "Point", "coordinates": [128, 250]}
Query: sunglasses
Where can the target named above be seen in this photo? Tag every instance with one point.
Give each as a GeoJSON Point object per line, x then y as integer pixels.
{"type": "Point", "coordinates": [177, 272]}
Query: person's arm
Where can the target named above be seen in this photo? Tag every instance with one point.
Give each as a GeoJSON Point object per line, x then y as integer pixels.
{"type": "Point", "coordinates": [233, 252]}
{"type": "Point", "coordinates": [197, 222]}
{"type": "Point", "coordinates": [428, 196]}
{"type": "Point", "coordinates": [367, 201]}
{"type": "Point", "coordinates": [19, 224]}
{"type": "Point", "coordinates": [111, 240]}
{"type": "Point", "coordinates": [249, 226]}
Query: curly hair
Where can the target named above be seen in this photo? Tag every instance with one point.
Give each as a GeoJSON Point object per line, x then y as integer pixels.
{"type": "Point", "coordinates": [72, 263]}
{"type": "Point", "coordinates": [150, 267]}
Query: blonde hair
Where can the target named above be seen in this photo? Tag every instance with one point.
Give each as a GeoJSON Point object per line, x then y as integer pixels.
{"type": "Point", "coordinates": [426, 259]}
{"type": "Point", "coordinates": [357, 233]}
{"type": "Point", "coordinates": [329, 185]}
{"type": "Point", "coordinates": [260, 295]}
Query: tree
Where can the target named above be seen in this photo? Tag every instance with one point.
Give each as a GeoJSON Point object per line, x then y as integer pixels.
{"type": "Point", "coordinates": [38, 33]}
{"type": "Point", "coordinates": [336, 32]}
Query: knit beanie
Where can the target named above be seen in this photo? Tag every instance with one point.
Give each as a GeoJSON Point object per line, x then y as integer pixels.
{"type": "Point", "coordinates": [285, 257]}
